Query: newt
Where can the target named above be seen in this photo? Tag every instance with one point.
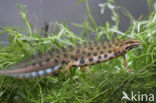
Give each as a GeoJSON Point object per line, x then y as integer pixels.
{"type": "Point", "coordinates": [81, 55]}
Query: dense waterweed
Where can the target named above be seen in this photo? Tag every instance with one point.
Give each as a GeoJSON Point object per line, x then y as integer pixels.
{"type": "Point", "coordinates": [103, 83]}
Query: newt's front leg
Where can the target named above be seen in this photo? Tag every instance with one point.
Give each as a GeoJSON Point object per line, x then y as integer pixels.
{"type": "Point", "coordinates": [125, 62]}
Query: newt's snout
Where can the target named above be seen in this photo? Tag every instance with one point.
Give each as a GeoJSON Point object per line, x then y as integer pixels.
{"type": "Point", "coordinates": [132, 44]}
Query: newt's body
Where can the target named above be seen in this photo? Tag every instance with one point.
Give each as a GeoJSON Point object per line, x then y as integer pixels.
{"type": "Point", "coordinates": [80, 55]}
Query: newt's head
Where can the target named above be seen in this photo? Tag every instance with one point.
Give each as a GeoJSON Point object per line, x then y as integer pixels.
{"type": "Point", "coordinates": [126, 45]}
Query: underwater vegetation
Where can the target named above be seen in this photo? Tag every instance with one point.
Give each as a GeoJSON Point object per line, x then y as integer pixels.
{"type": "Point", "coordinates": [105, 82]}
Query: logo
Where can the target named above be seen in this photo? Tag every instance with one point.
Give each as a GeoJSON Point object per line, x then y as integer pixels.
{"type": "Point", "coordinates": [137, 97]}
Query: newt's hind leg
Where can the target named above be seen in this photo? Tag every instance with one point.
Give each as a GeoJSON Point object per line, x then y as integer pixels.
{"type": "Point", "coordinates": [84, 69]}
{"type": "Point", "coordinates": [67, 68]}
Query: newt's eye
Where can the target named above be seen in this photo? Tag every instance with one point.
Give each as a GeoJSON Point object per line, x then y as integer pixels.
{"type": "Point", "coordinates": [121, 45]}
{"type": "Point", "coordinates": [127, 42]}
{"type": "Point", "coordinates": [118, 52]}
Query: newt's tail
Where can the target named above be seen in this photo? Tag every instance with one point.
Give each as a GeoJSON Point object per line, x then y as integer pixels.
{"type": "Point", "coordinates": [30, 72]}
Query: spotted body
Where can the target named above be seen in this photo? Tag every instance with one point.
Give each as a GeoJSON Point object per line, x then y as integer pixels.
{"type": "Point", "coordinates": [80, 56]}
